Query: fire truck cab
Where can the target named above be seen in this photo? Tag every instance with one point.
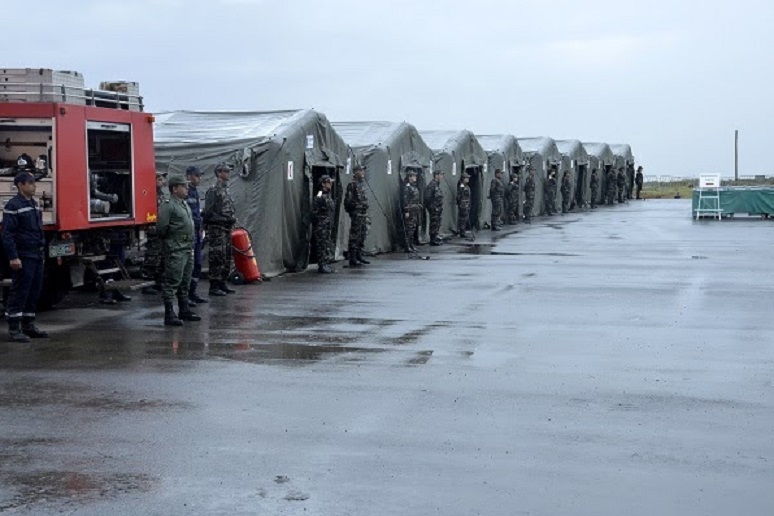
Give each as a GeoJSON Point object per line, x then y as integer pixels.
{"type": "Point", "coordinates": [91, 152]}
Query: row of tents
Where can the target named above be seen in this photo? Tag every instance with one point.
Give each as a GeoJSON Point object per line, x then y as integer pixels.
{"type": "Point", "coordinates": [279, 157]}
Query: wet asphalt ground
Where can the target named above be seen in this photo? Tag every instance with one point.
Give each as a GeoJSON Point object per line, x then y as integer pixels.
{"type": "Point", "coordinates": [615, 362]}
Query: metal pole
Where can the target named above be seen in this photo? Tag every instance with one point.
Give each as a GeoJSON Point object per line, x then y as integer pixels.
{"type": "Point", "coordinates": [736, 156]}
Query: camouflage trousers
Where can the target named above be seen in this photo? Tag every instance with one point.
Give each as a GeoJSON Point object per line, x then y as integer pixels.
{"type": "Point", "coordinates": [152, 263]}
{"type": "Point", "coordinates": [358, 230]}
{"type": "Point", "coordinates": [513, 211]}
{"type": "Point", "coordinates": [610, 195]}
{"type": "Point", "coordinates": [322, 235]}
{"type": "Point", "coordinates": [565, 202]}
{"type": "Point", "coordinates": [528, 204]}
{"type": "Point", "coordinates": [593, 197]}
{"type": "Point", "coordinates": [410, 227]}
{"type": "Point", "coordinates": [463, 220]}
{"type": "Point", "coordinates": [497, 212]}
{"type": "Point", "coordinates": [435, 223]}
{"type": "Point", "coordinates": [219, 238]}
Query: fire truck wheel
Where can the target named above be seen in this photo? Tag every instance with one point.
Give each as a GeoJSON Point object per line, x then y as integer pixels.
{"type": "Point", "coordinates": [237, 278]}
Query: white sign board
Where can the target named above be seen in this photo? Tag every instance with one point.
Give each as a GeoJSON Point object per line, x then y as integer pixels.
{"type": "Point", "coordinates": [310, 141]}
{"type": "Point", "coordinates": [709, 181]}
{"type": "Point", "coordinates": [349, 166]}
{"type": "Point", "coordinates": [290, 170]}
{"type": "Point", "coordinates": [389, 167]}
{"type": "Point", "coordinates": [454, 168]}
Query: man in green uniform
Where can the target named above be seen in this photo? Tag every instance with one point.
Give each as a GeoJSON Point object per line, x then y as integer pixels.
{"type": "Point", "coordinates": [175, 227]}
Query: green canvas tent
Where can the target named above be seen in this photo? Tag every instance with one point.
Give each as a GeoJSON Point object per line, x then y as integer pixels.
{"type": "Point", "coordinates": [503, 152]}
{"type": "Point", "coordinates": [624, 158]}
{"type": "Point", "coordinates": [576, 160]}
{"type": "Point", "coordinates": [601, 159]}
{"type": "Point", "coordinates": [542, 155]}
{"type": "Point", "coordinates": [278, 159]}
{"type": "Point", "coordinates": [388, 150]}
{"type": "Point", "coordinates": [456, 152]}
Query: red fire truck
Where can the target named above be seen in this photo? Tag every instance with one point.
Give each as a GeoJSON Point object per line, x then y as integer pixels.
{"type": "Point", "coordinates": [91, 151]}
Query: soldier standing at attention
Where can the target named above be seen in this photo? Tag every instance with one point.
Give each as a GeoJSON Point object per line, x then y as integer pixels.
{"type": "Point", "coordinates": [24, 244]}
{"type": "Point", "coordinates": [566, 191]}
{"type": "Point", "coordinates": [621, 184]}
{"type": "Point", "coordinates": [411, 208]}
{"type": "Point", "coordinates": [594, 187]}
{"type": "Point", "coordinates": [356, 204]}
{"type": "Point", "coordinates": [434, 205]}
{"type": "Point", "coordinates": [529, 195]}
{"type": "Point", "coordinates": [497, 195]}
{"type": "Point", "coordinates": [323, 211]}
{"type": "Point", "coordinates": [463, 206]}
{"type": "Point", "coordinates": [219, 219]}
{"type": "Point", "coordinates": [513, 194]}
{"type": "Point", "coordinates": [194, 176]}
{"type": "Point", "coordinates": [610, 177]}
{"type": "Point", "coordinates": [175, 227]}
{"type": "Point", "coordinates": [151, 263]}
{"type": "Point", "coordinates": [638, 180]}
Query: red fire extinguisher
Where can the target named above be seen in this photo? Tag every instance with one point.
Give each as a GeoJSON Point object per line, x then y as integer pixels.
{"type": "Point", "coordinates": [246, 265]}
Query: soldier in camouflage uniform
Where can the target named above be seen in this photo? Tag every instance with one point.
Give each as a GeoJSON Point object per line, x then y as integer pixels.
{"type": "Point", "coordinates": [463, 206]}
{"type": "Point", "coordinates": [152, 266]}
{"type": "Point", "coordinates": [434, 205]}
{"type": "Point", "coordinates": [529, 195]}
{"type": "Point", "coordinates": [412, 206]}
{"type": "Point", "coordinates": [497, 195]}
{"type": "Point", "coordinates": [194, 176]}
{"type": "Point", "coordinates": [566, 191]}
{"type": "Point", "coordinates": [219, 219]}
{"type": "Point", "coordinates": [638, 180]}
{"type": "Point", "coordinates": [610, 177]}
{"type": "Point", "coordinates": [594, 188]}
{"type": "Point", "coordinates": [323, 212]}
{"type": "Point", "coordinates": [512, 193]}
{"type": "Point", "coordinates": [620, 181]}
{"type": "Point", "coordinates": [356, 204]}
{"type": "Point", "coordinates": [175, 227]}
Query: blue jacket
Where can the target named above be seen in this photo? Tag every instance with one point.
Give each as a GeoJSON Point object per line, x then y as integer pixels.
{"type": "Point", "coordinates": [23, 228]}
{"type": "Point", "coordinates": [196, 207]}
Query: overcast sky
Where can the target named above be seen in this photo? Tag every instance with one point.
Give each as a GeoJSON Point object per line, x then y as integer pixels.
{"type": "Point", "coordinates": [673, 81]}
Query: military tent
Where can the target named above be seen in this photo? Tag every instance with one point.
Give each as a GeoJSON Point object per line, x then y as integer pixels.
{"type": "Point", "coordinates": [278, 157]}
{"type": "Point", "coordinates": [504, 152]}
{"type": "Point", "coordinates": [542, 155]}
{"type": "Point", "coordinates": [624, 158]}
{"type": "Point", "coordinates": [388, 150]}
{"type": "Point", "coordinates": [456, 152]}
{"type": "Point", "coordinates": [576, 160]}
{"type": "Point", "coordinates": [601, 159]}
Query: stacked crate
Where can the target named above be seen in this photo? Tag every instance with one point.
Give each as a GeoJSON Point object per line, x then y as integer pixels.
{"type": "Point", "coordinates": [41, 85]}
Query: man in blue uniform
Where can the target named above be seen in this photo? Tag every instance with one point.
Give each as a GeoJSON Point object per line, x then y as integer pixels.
{"type": "Point", "coordinates": [194, 176]}
{"type": "Point", "coordinates": [24, 244]}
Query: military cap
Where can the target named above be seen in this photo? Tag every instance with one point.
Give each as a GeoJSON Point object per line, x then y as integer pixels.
{"type": "Point", "coordinates": [23, 177]}
{"type": "Point", "coordinates": [359, 167]}
{"type": "Point", "coordinates": [326, 179]}
{"type": "Point", "coordinates": [411, 172]}
{"type": "Point", "coordinates": [465, 175]}
{"type": "Point", "coordinates": [193, 170]}
{"type": "Point", "coordinates": [160, 174]}
{"type": "Point", "coordinates": [176, 180]}
{"type": "Point", "coordinates": [498, 171]}
{"type": "Point", "coordinates": [437, 171]}
{"type": "Point", "coordinates": [223, 167]}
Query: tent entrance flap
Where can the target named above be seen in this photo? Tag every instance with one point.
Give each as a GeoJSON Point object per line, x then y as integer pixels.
{"type": "Point", "coordinates": [477, 194]}
{"type": "Point", "coordinates": [580, 182]}
{"type": "Point", "coordinates": [313, 185]}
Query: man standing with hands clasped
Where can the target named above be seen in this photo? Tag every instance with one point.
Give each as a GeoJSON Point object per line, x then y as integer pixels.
{"type": "Point", "coordinates": [175, 227]}
{"type": "Point", "coordinates": [24, 245]}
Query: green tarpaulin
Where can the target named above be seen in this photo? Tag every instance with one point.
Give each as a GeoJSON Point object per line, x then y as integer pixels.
{"type": "Point", "coordinates": [737, 200]}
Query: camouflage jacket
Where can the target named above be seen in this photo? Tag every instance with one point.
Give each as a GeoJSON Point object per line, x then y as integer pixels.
{"type": "Point", "coordinates": [513, 191]}
{"type": "Point", "coordinates": [323, 208]}
{"type": "Point", "coordinates": [594, 181]}
{"type": "Point", "coordinates": [529, 188]}
{"type": "Point", "coordinates": [434, 197]}
{"type": "Point", "coordinates": [496, 190]}
{"type": "Point", "coordinates": [566, 185]}
{"type": "Point", "coordinates": [355, 200]}
{"type": "Point", "coordinates": [411, 201]}
{"type": "Point", "coordinates": [463, 195]}
{"type": "Point", "coordinates": [219, 209]}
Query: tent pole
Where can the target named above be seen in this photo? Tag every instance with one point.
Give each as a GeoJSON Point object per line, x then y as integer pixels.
{"type": "Point", "coordinates": [736, 156]}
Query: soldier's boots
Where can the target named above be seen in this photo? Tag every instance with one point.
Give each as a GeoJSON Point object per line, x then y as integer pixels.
{"type": "Point", "coordinates": [353, 262]}
{"type": "Point", "coordinates": [215, 289]}
{"type": "Point", "coordinates": [362, 260]}
{"type": "Point", "coordinates": [185, 313]}
{"type": "Point", "coordinates": [151, 290]}
{"type": "Point", "coordinates": [29, 329]}
{"type": "Point", "coordinates": [225, 288]}
{"type": "Point", "coordinates": [325, 269]}
{"type": "Point", "coordinates": [193, 295]}
{"type": "Point", "coordinates": [121, 297]}
{"type": "Point", "coordinates": [14, 331]}
{"type": "Point", "coordinates": [170, 317]}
